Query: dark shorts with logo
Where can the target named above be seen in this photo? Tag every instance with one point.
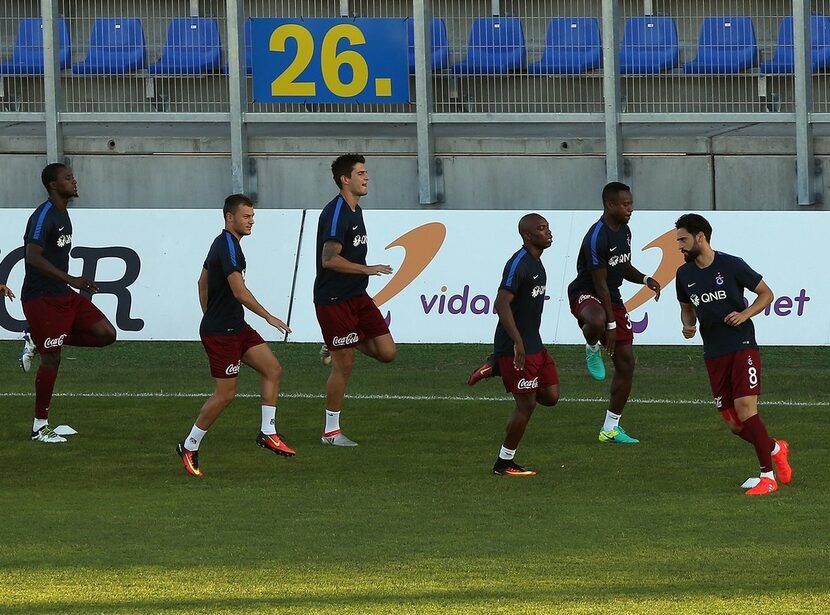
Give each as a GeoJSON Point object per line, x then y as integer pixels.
{"type": "Point", "coordinates": [625, 333]}
{"type": "Point", "coordinates": [539, 373]}
{"type": "Point", "coordinates": [225, 352]}
{"type": "Point", "coordinates": [53, 319]}
{"type": "Point", "coordinates": [346, 324]}
{"type": "Point", "coordinates": [733, 376]}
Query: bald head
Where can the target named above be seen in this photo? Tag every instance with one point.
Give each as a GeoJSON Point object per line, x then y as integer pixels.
{"type": "Point", "coordinates": [529, 222]}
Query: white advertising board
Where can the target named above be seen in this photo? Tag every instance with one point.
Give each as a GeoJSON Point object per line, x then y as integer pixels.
{"type": "Point", "coordinates": [447, 270]}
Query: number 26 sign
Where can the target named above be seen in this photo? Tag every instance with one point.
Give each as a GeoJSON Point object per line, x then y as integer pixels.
{"type": "Point", "coordinates": [330, 60]}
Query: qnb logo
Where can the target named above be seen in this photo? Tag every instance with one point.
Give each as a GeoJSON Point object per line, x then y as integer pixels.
{"type": "Point", "coordinates": [233, 369]}
{"type": "Point", "coordinates": [359, 240]}
{"type": "Point", "coordinates": [351, 338]}
{"type": "Point", "coordinates": [537, 290]}
{"type": "Point", "coordinates": [718, 295]}
{"type": "Point", "coordinates": [56, 342]}
{"type": "Point", "coordinates": [620, 259]}
{"type": "Point", "coordinates": [524, 383]}
{"type": "Point", "coordinates": [64, 240]}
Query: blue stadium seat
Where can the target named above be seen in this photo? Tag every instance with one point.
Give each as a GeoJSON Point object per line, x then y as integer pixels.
{"type": "Point", "coordinates": [27, 56]}
{"type": "Point", "coordinates": [496, 47]}
{"type": "Point", "coordinates": [784, 59]}
{"type": "Point", "coordinates": [116, 47]}
{"type": "Point", "coordinates": [649, 46]}
{"type": "Point", "coordinates": [727, 45]}
{"type": "Point", "coordinates": [440, 45]}
{"type": "Point", "coordinates": [572, 46]}
{"type": "Point", "coordinates": [192, 48]}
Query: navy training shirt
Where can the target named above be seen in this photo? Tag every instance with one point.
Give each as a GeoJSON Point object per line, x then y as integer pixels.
{"type": "Point", "coordinates": [224, 314]}
{"type": "Point", "coordinates": [50, 228]}
{"type": "Point", "coordinates": [339, 223]}
{"type": "Point", "coordinates": [715, 292]}
{"type": "Point", "coordinates": [602, 248]}
{"type": "Point", "coordinates": [525, 277]}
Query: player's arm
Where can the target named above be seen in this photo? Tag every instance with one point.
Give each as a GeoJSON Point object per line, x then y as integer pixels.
{"type": "Point", "coordinates": [5, 291]}
{"type": "Point", "coordinates": [689, 320]}
{"type": "Point", "coordinates": [331, 259]}
{"type": "Point", "coordinates": [631, 274]}
{"type": "Point", "coordinates": [503, 300]}
{"type": "Point", "coordinates": [246, 298]}
{"type": "Point", "coordinates": [203, 289]}
{"type": "Point", "coordinates": [35, 258]}
{"type": "Point", "coordinates": [763, 299]}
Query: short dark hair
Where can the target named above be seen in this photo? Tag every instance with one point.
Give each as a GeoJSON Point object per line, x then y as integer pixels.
{"type": "Point", "coordinates": [343, 165]}
{"type": "Point", "coordinates": [233, 202]}
{"type": "Point", "coordinates": [50, 173]}
{"type": "Point", "coordinates": [611, 192]}
{"type": "Point", "coordinates": [695, 223]}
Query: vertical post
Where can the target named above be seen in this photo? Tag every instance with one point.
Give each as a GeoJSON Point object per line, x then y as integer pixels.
{"type": "Point", "coordinates": [428, 193]}
{"type": "Point", "coordinates": [238, 95]}
{"type": "Point", "coordinates": [52, 81]}
{"type": "Point", "coordinates": [803, 102]}
{"type": "Point", "coordinates": [344, 8]}
{"type": "Point", "coordinates": [194, 8]}
{"type": "Point", "coordinates": [611, 91]}
{"type": "Point", "coordinates": [495, 7]}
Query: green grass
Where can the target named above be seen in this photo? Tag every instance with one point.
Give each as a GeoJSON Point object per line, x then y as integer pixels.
{"type": "Point", "coordinates": [411, 521]}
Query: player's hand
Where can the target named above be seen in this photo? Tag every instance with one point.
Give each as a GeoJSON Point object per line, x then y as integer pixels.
{"type": "Point", "coordinates": [655, 286]}
{"type": "Point", "coordinates": [83, 284]}
{"type": "Point", "coordinates": [5, 291]}
{"type": "Point", "coordinates": [519, 356]}
{"type": "Point", "coordinates": [689, 331]}
{"type": "Point", "coordinates": [610, 342]}
{"type": "Point", "coordinates": [733, 319]}
{"type": "Point", "coordinates": [277, 324]}
{"type": "Point", "coordinates": [379, 270]}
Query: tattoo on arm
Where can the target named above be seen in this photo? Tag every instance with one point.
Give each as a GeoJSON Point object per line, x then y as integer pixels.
{"type": "Point", "coordinates": [330, 250]}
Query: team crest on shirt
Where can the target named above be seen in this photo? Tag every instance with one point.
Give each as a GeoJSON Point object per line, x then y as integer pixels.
{"type": "Point", "coordinates": [719, 279]}
{"type": "Point", "coordinates": [64, 240]}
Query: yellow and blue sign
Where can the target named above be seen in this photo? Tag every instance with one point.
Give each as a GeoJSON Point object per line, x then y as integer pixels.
{"type": "Point", "coordinates": [330, 60]}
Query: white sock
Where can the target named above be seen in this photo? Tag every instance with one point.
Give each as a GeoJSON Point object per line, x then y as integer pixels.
{"type": "Point", "coordinates": [269, 420]}
{"type": "Point", "coordinates": [39, 424]}
{"type": "Point", "coordinates": [593, 347]}
{"type": "Point", "coordinates": [770, 475]}
{"type": "Point", "coordinates": [194, 439]}
{"type": "Point", "coordinates": [611, 421]}
{"type": "Point", "coordinates": [776, 449]}
{"type": "Point", "coordinates": [332, 421]}
{"type": "Point", "coordinates": [507, 454]}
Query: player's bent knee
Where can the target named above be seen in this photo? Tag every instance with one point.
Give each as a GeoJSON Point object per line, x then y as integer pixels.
{"type": "Point", "coordinates": [387, 355]}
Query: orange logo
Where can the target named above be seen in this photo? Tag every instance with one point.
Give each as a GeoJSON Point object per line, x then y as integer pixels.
{"type": "Point", "coordinates": [421, 244]}
{"type": "Point", "coordinates": [666, 271]}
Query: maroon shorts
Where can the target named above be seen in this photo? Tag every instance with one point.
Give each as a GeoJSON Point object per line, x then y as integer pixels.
{"type": "Point", "coordinates": [225, 352]}
{"type": "Point", "coordinates": [346, 324]}
{"type": "Point", "coordinates": [625, 333]}
{"type": "Point", "coordinates": [539, 373]}
{"type": "Point", "coordinates": [53, 320]}
{"type": "Point", "coordinates": [733, 376]}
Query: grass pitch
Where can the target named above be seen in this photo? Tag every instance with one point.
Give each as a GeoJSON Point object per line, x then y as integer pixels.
{"type": "Point", "coordinates": [411, 521]}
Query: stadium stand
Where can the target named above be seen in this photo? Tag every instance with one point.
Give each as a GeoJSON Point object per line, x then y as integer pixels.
{"type": "Point", "coordinates": [572, 46]}
{"type": "Point", "coordinates": [783, 62]}
{"type": "Point", "coordinates": [649, 46]}
{"type": "Point", "coordinates": [116, 47]}
{"type": "Point", "coordinates": [192, 47]}
{"type": "Point", "coordinates": [496, 47]}
{"type": "Point", "coordinates": [727, 45]}
{"type": "Point", "coordinates": [27, 55]}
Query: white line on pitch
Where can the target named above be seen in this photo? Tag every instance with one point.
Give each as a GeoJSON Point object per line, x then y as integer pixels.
{"type": "Point", "coordinates": [573, 400]}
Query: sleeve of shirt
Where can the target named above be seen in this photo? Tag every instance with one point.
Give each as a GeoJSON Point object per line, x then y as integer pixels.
{"type": "Point", "coordinates": [682, 295]}
{"type": "Point", "coordinates": [514, 273]}
{"type": "Point", "coordinates": [745, 275]}
{"type": "Point", "coordinates": [335, 227]}
{"type": "Point", "coordinates": [596, 249]}
{"type": "Point", "coordinates": [229, 256]}
{"type": "Point", "coordinates": [43, 228]}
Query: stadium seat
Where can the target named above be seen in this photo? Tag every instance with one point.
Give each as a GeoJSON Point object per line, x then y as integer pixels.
{"type": "Point", "coordinates": [440, 45]}
{"type": "Point", "coordinates": [116, 47]}
{"type": "Point", "coordinates": [192, 48]}
{"type": "Point", "coordinates": [727, 45]}
{"type": "Point", "coordinates": [27, 56]}
{"type": "Point", "coordinates": [784, 59]}
{"type": "Point", "coordinates": [649, 46]}
{"type": "Point", "coordinates": [572, 46]}
{"type": "Point", "coordinates": [496, 47]}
